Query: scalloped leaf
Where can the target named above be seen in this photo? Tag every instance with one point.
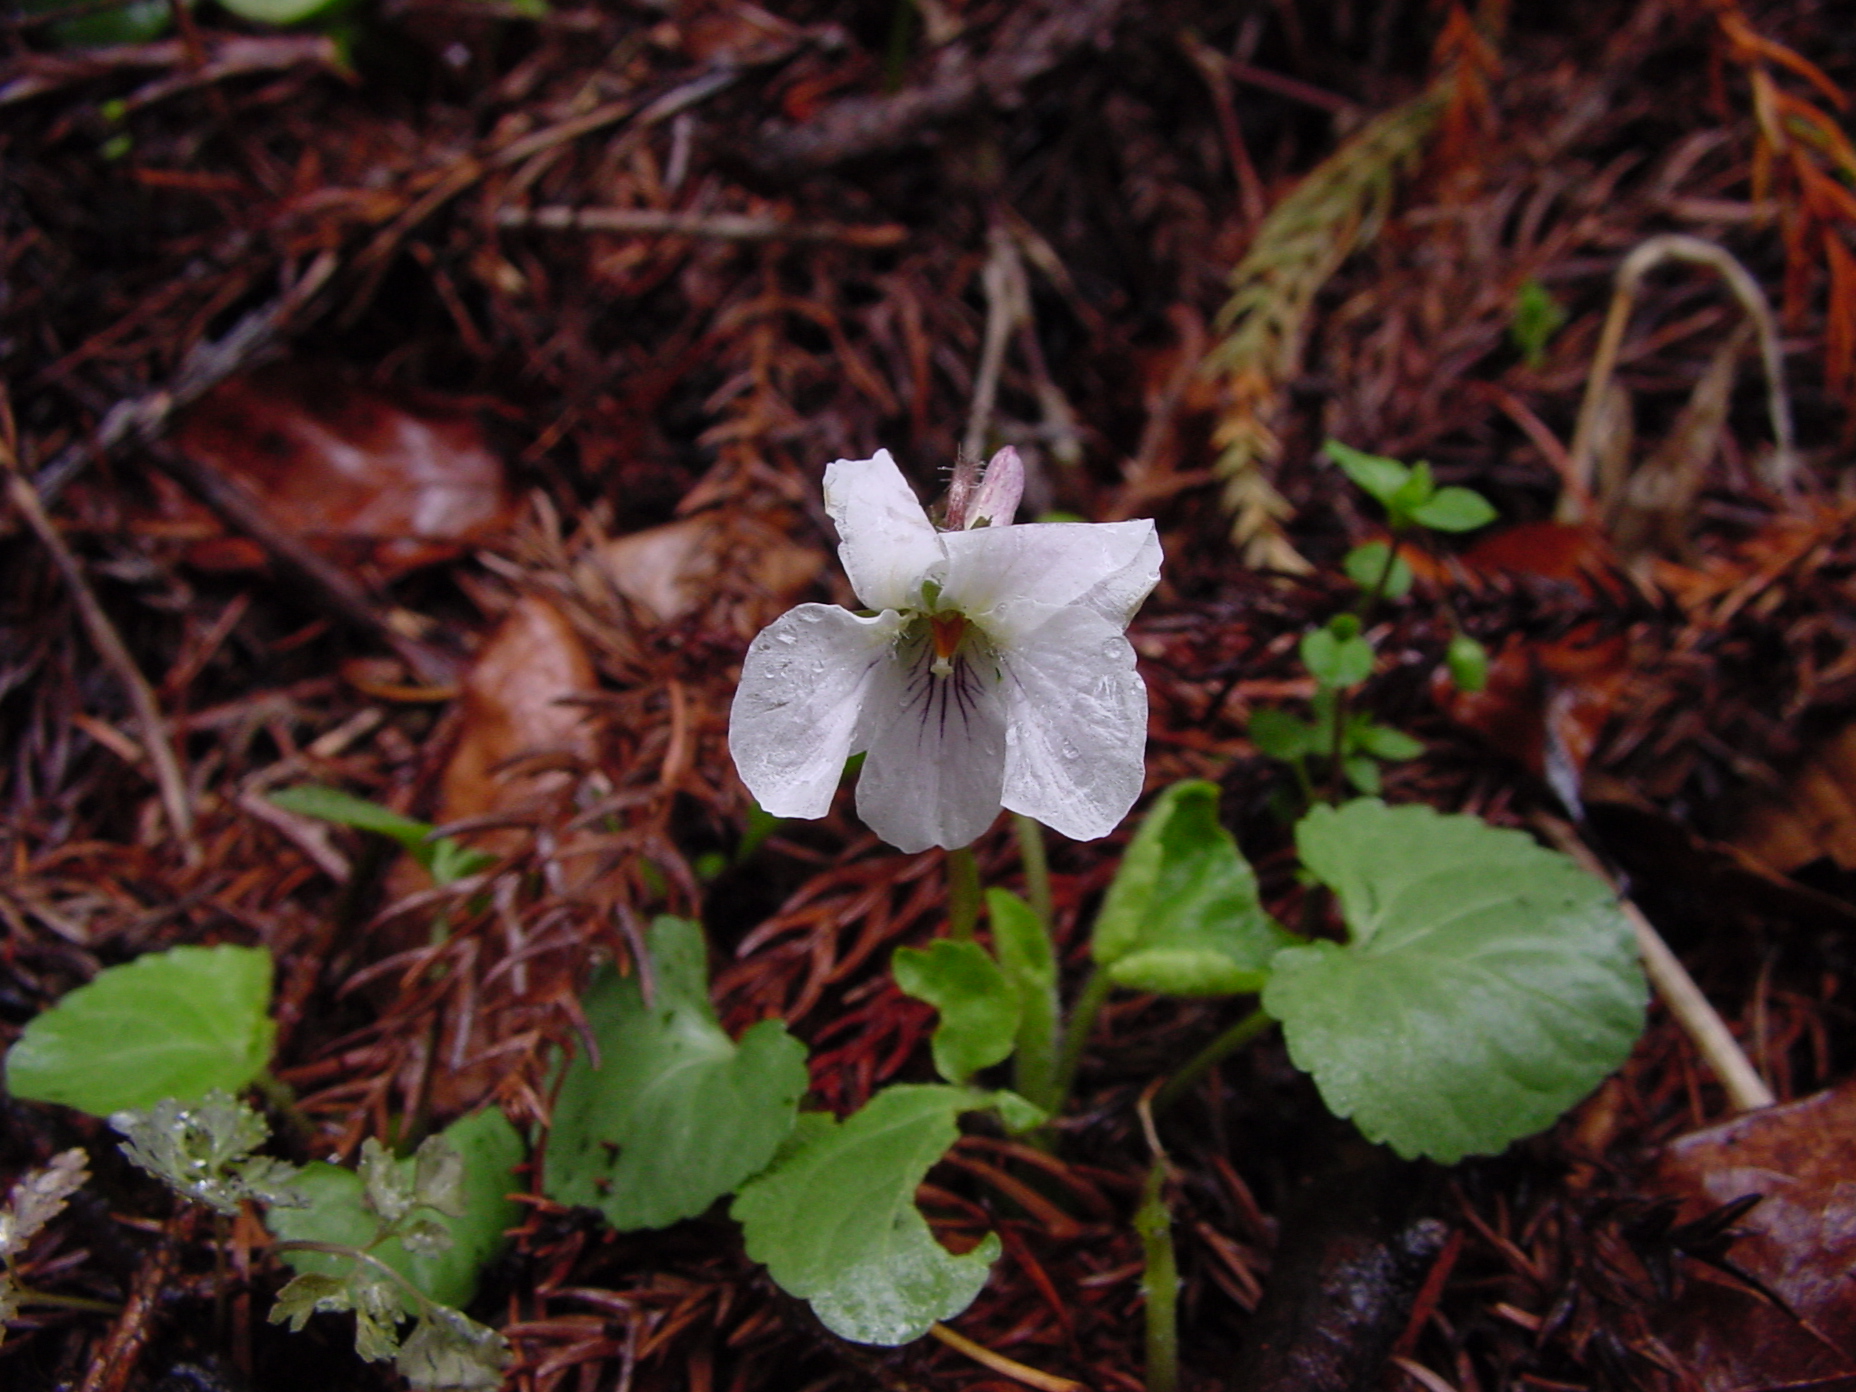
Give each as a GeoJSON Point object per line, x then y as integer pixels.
{"type": "Point", "coordinates": [978, 1004]}
{"type": "Point", "coordinates": [675, 1114]}
{"type": "Point", "coordinates": [173, 1024]}
{"type": "Point", "coordinates": [490, 1150]}
{"type": "Point", "coordinates": [1488, 984]}
{"type": "Point", "coordinates": [835, 1220]}
{"type": "Point", "coordinates": [1183, 916]}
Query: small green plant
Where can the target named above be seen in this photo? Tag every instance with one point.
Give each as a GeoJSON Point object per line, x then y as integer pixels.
{"type": "Point", "coordinates": [1339, 745]}
{"type": "Point", "coordinates": [1537, 316]}
{"type": "Point", "coordinates": [159, 1045]}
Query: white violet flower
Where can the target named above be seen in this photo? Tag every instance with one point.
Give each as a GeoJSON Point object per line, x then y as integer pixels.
{"type": "Point", "coordinates": [993, 670]}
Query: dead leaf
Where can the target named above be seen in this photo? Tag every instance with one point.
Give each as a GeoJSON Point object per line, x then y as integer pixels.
{"type": "Point", "coordinates": [383, 481]}
{"type": "Point", "coordinates": [1813, 817]}
{"type": "Point", "coordinates": [1799, 1241]}
{"type": "Point", "coordinates": [518, 705]}
{"type": "Point", "coordinates": [669, 571]}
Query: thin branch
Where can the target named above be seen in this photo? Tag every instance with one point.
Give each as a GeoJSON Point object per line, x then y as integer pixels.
{"type": "Point", "coordinates": [109, 645]}
{"type": "Point", "coordinates": [1745, 1089]}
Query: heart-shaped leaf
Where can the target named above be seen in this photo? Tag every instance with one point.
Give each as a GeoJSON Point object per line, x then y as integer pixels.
{"type": "Point", "coordinates": [1487, 986]}
{"type": "Point", "coordinates": [490, 1150]}
{"type": "Point", "coordinates": [1183, 916]}
{"type": "Point", "coordinates": [835, 1221]}
{"type": "Point", "coordinates": [675, 1114]}
{"type": "Point", "coordinates": [170, 1024]}
{"type": "Point", "coordinates": [978, 1005]}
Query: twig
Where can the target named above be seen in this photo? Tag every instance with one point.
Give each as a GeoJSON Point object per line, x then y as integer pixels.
{"type": "Point", "coordinates": [114, 1362]}
{"type": "Point", "coordinates": [1676, 246]}
{"type": "Point", "coordinates": [727, 227]}
{"type": "Point", "coordinates": [999, 1363]}
{"type": "Point", "coordinates": [1745, 1089]}
{"type": "Point", "coordinates": [328, 582]}
{"type": "Point", "coordinates": [1033, 40]}
{"type": "Point", "coordinates": [141, 419]}
{"type": "Point", "coordinates": [110, 647]}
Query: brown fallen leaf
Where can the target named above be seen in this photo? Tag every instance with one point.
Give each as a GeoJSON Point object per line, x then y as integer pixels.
{"type": "Point", "coordinates": [386, 483]}
{"type": "Point", "coordinates": [519, 720]}
{"type": "Point", "coordinates": [1799, 1241]}
{"type": "Point", "coordinates": [669, 571]}
{"type": "Point", "coordinates": [1813, 817]}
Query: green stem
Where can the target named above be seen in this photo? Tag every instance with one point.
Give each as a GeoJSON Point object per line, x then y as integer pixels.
{"type": "Point", "coordinates": [1214, 1053]}
{"type": "Point", "coordinates": [1037, 869]}
{"type": "Point", "coordinates": [26, 1295]}
{"type": "Point", "coordinates": [422, 1302]}
{"type": "Point", "coordinates": [963, 894]}
{"type": "Point", "coordinates": [1076, 1036]}
{"type": "Point", "coordinates": [1159, 1282]}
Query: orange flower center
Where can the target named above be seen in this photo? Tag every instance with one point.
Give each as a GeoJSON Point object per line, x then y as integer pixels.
{"type": "Point", "coordinates": [949, 629]}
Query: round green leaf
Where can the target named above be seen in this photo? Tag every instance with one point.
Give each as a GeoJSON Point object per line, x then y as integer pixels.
{"type": "Point", "coordinates": [170, 1024]}
{"type": "Point", "coordinates": [490, 1149]}
{"type": "Point", "coordinates": [1335, 661]}
{"type": "Point", "coordinates": [1279, 735]}
{"type": "Point", "coordinates": [1367, 562]}
{"type": "Point", "coordinates": [278, 11]}
{"type": "Point", "coordinates": [978, 1005]}
{"type": "Point", "coordinates": [1487, 986]}
{"type": "Point", "coordinates": [675, 1114]}
{"type": "Point", "coordinates": [1183, 916]}
{"type": "Point", "coordinates": [1468, 662]}
{"type": "Point", "coordinates": [835, 1222]}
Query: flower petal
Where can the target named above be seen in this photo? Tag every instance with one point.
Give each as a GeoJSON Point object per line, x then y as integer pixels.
{"type": "Point", "coordinates": [936, 755]}
{"type": "Point", "coordinates": [1076, 721]}
{"type": "Point", "coordinates": [803, 689]}
{"type": "Point", "coordinates": [1009, 578]}
{"type": "Point", "coordinates": [885, 541]}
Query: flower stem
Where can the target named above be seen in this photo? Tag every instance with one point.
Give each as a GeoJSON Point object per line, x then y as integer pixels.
{"type": "Point", "coordinates": [1037, 868]}
{"type": "Point", "coordinates": [963, 894]}
{"type": "Point", "coordinates": [1211, 1056]}
{"type": "Point", "coordinates": [1159, 1281]}
{"type": "Point", "coordinates": [1076, 1036]}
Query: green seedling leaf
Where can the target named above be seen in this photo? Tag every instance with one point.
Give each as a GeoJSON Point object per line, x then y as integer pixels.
{"type": "Point", "coordinates": [1537, 317]}
{"type": "Point", "coordinates": [979, 1009]}
{"type": "Point", "coordinates": [835, 1221]}
{"type": "Point", "coordinates": [1412, 494]}
{"type": "Point", "coordinates": [1183, 916]}
{"type": "Point", "coordinates": [1362, 772]}
{"type": "Point", "coordinates": [1384, 742]}
{"type": "Point", "coordinates": [169, 1024]}
{"type": "Point", "coordinates": [279, 11]}
{"type": "Point", "coordinates": [488, 1149]}
{"type": "Point", "coordinates": [1454, 510]}
{"type": "Point", "coordinates": [1335, 658]}
{"type": "Point", "coordinates": [1487, 985]}
{"type": "Point", "coordinates": [675, 1114]}
{"type": "Point", "coordinates": [1468, 662]}
{"type": "Point", "coordinates": [1366, 563]}
{"type": "Point", "coordinates": [444, 859]}
{"type": "Point", "coordinates": [1374, 473]}
{"type": "Point", "coordinates": [1030, 966]}
{"type": "Point", "coordinates": [1279, 735]}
